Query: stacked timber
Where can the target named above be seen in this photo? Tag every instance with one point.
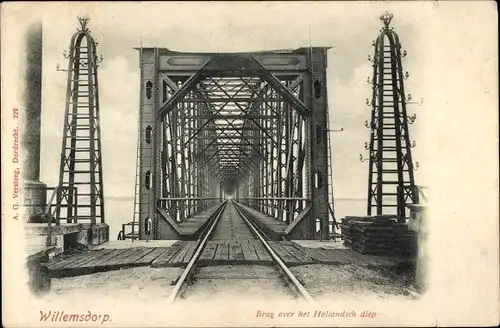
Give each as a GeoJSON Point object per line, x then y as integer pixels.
{"type": "Point", "coordinates": [380, 235]}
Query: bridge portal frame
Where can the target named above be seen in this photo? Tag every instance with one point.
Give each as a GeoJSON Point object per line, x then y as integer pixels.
{"type": "Point", "coordinates": [275, 159]}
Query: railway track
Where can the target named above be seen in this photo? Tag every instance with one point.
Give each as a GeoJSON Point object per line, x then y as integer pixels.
{"type": "Point", "coordinates": [230, 222]}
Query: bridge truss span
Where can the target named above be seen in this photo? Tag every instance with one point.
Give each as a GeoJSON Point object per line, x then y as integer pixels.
{"type": "Point", "coordinates": [248, 126]}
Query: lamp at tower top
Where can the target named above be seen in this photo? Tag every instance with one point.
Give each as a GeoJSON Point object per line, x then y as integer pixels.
{"type": "Point", "coordinates": [386, 19]}
{"type": "Point", "coordinates": [83, 22]}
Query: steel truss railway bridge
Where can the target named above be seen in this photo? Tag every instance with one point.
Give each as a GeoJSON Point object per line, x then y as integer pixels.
{"type": "Point", "coordinates": [252, 127]}
{"type": "Point", "coordinates": [247, 126]}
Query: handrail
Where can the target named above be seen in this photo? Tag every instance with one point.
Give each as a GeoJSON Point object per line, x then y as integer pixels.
{"type": "Point", "coordinates": [49, 218]}
{"type": "Point", "coordinates": [420, 190]}
{"type": "Point", "coordinates": [132, 235]}
{"type": "Point", "coordinates": [49, 204]}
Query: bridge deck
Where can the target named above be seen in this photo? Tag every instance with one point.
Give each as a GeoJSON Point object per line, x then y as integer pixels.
{"type": "Point", "coordinates": [217, 252]}
{"type": "Point", "coordinates": [193, 224]}
{"type": "Point", "coordinates": [230, 243]}
{"type": "Point", "coordinates": [231, 226]}
{"type": "Point", "coordinates": [272, 227]}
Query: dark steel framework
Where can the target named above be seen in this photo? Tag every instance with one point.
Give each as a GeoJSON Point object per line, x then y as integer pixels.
{"type": "Point", "coordinates": [80, 192]}
{"type": "Point", "coordinates": [251, 126]}
{"type": "Point", "coordinates": [391, 182]}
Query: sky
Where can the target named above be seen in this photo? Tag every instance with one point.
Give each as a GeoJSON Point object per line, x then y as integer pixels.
{"type": "Point", "coordinates": [220, 27]}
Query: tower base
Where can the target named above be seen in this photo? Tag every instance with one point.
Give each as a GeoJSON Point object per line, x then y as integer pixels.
{"type": "Point", "coordinates": [35, 200]}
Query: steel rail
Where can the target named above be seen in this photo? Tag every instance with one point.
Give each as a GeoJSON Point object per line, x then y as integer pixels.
{"type": "Point", "coordinates": [303, 292]}
{"type": "Point", "coordinates": [195, 256]}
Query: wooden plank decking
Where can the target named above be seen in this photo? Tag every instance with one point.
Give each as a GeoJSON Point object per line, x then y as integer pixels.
{"type": "Point", "coordinates": [193, 225]}
{"type": "Point", "coordinates": [272, 227]}
{"type": "Point", "coordinates": [216, 252]}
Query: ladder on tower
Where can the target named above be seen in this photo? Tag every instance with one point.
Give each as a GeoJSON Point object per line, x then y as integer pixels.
{"type": "Point", "coordinates": [81, 164]}
{"type": "Point", "coordinates": [135, 219]}
{"type": "Point", "coordinates": [134, 225]}
{"type": "Point", "coordinates": [331, 198]}
{"type": "Point", "coordinates": [390, 120]}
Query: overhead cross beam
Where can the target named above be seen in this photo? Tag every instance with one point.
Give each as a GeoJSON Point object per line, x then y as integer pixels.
{"type": "Point", "coordinates": [218, 67]}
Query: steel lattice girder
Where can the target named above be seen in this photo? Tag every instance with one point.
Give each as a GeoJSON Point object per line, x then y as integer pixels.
{"type": "Point", "coordinates": [224, 65]}
{"type": "Point", "coordinates": [238, 121]}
